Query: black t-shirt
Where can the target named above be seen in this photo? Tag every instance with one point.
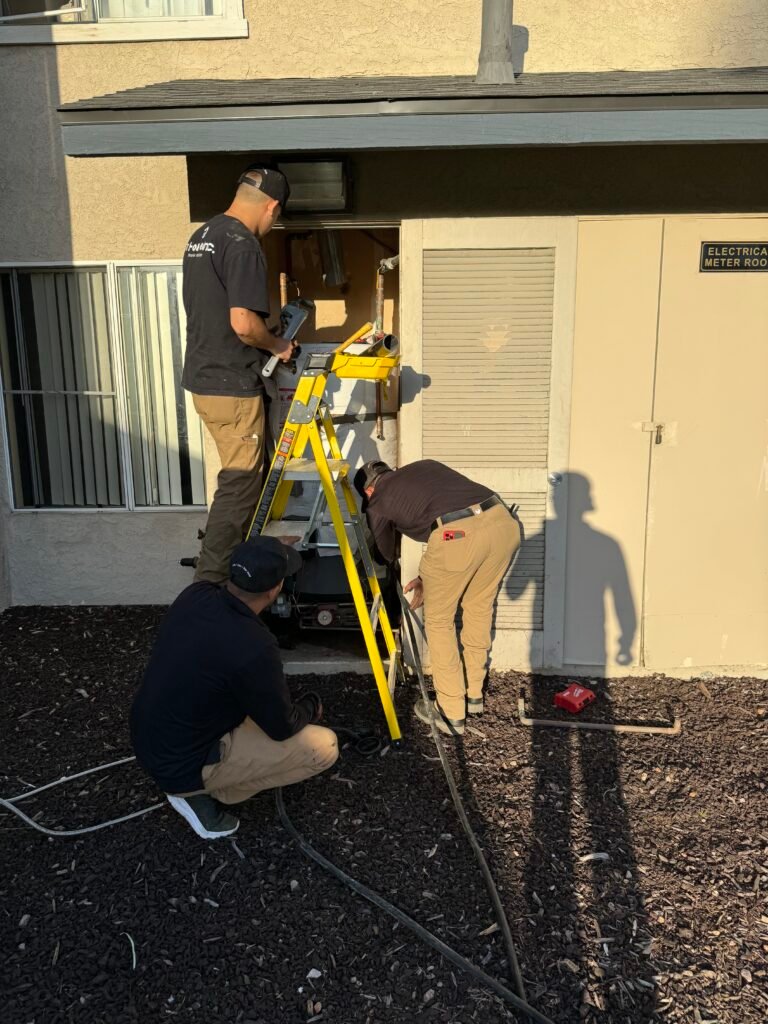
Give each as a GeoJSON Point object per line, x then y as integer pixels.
{"type": "Point", "coordinates": [213, 663]}
{"type": "Point", "coordinates": [224, 266]}
{"type": "Point", "coordinates": [411, 498]}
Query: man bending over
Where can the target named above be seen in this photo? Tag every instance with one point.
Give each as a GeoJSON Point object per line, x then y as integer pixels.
{"type": "Point", "coordinates": [470, 538]}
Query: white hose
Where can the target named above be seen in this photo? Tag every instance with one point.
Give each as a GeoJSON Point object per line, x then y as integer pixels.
{"type": "Point", "coordinates": [11, 801]}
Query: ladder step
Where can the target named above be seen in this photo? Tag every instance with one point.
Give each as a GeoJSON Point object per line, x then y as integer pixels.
{"type": "Point", "coordinates": [375, 610]}
{"type": "Point", "coordinates": [392, 673]}
{"type": "Point", "coordinates": [286, 528]}
{"type": "Point", "coordinates": [306, 469]}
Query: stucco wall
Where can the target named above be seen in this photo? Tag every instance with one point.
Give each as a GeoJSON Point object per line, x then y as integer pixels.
{"type": "Point", "coordinates": [100, 558]}
{"type": "Point", "coordinates": [54, 208]}
{"type": "Point", "coordinates": [324, 38]}
{"type": "Point", "coordinates": [57, 208]}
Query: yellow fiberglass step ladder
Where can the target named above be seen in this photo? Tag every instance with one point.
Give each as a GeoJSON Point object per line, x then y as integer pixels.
{"type": "Point", "coordinates": [309, 431]}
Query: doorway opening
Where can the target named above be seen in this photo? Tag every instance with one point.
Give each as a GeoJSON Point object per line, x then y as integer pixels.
{"type": "Point", "coordinates": [340, 271]}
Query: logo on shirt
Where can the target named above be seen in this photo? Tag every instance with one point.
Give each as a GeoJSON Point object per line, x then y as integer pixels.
{"type": "Point", "coordinates": [198, 248]}
{"type": "Point", "coordinates": [205, 232]}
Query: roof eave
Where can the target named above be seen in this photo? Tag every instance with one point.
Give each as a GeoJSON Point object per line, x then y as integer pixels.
{"type": "Point", "coordinates": [418, 125]}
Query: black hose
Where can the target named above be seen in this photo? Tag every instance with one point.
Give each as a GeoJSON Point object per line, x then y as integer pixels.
{"type": "Point", "coordinates": [426, 936]}
{"type": "Point", "coordinates": [493, 892]}
{"type": "Point", "coordinates": [365, 743]}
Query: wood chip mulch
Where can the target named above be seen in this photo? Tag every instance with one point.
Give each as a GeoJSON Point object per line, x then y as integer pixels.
{"type": "Point", "coordinates": [634, 869]}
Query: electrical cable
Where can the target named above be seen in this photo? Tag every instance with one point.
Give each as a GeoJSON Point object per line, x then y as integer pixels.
{"type": "Point", "coordinates": [366, 744]}
{"type": "Point", "coordinates": [409, 617]}
{"type": "Point", "coordinates": [424, 934]}
{"type": "Point", "coordinates": [9, 804]}
{"type": "Point", "coordinates": [519, 1001]}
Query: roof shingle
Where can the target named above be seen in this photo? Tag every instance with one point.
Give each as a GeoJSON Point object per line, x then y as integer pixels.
{"type": "Point", "coordinates": [195, 93]}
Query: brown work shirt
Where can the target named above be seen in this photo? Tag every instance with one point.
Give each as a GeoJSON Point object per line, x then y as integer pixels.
{"type": "Point", "coordinates": [411, 498]}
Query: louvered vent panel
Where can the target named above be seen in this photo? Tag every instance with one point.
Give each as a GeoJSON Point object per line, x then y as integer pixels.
{"type": "Point", "coordinates": [520, 603]}
{"type": "Point", "coordinates": [487, 343]}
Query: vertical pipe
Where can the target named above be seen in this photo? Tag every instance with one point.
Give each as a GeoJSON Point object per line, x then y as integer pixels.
{"type": "Point", "coordinates": [283, 289]}
{"type": "Point", "coordinates": [495, 65]}
{"type": "Point", "coordinates": [379, 324]}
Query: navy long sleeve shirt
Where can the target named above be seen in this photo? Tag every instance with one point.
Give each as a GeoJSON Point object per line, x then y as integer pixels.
{"type": "Point", "coordinates": [213, 664]}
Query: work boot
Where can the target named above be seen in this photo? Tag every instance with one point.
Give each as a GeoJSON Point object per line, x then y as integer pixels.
{"type": "Point", "coordinates": [476, 705]}
{"type": "Point", "coordinates": [428, 711]}
{"type": "Point", "coordinates": [207, 816]}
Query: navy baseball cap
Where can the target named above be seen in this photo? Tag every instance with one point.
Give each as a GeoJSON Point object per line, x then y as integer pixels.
{"type": "Point", "coordinates": [273, 182]}
{"type": "Point", "coordinates": [260, 563]}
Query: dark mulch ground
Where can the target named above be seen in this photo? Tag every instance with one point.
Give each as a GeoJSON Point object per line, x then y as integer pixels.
{"type": "Point", "coordinates": [672, 926]}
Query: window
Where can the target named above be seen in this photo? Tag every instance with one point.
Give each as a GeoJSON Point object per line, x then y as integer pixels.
{"type": "Point", "coordinates": [46, 12]}
{"type": "Point", "coordinates": [94, 410]}
{"type": "Point", "coordinates": [89, 21]}
{"type": "Point", "coordinates": [166, 438]}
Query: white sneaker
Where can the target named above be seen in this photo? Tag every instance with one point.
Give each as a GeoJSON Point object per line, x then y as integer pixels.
{"type": "Point", "coordinates": [205, 814]}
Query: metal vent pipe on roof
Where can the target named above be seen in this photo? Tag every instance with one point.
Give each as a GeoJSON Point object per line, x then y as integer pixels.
{"type": "Point", "coordinates": [495, 66]}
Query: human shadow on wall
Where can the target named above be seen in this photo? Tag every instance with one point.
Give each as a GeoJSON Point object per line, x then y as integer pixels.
{"type": "Point", "coordinates": [597, 572]}
{"type": "Point", "coordinates": [578, 803]}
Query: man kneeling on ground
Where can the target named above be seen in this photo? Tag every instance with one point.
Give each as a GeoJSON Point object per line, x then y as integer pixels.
{"type": "Point", "coordinates": [213, 722]}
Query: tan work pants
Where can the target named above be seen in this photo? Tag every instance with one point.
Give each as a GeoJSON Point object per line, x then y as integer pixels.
{"type": "Point", "coordinates": [465, 571]}
{"type": "Point", "coordinates": [237, 427]}
{"type": "Point", "coordinates": [251, 761]}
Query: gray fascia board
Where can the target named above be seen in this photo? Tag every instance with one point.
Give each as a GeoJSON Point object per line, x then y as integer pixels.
{"type": "Point", "coordinates": [573, 104]}
{"type": "Point", "coordinates": [416, 131]}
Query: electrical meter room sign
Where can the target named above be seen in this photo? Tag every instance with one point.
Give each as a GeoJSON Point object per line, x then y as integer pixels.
{"type": "Point", "coordinates": [725, 257]}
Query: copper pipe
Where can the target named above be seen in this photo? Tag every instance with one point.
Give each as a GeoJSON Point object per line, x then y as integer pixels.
{"type": "Point", "coordinates": [662, 730]}
{"type": "Point", "coordinates": [283, 290]}
{"type": "Point", "coordinates": [379, 323]}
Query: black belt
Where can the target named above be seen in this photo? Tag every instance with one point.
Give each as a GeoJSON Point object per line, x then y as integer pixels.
{"type": "Point", "coordinates": [467, 513]}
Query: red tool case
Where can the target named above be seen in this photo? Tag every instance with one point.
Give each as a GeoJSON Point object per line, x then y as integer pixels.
{"type": "Point", "coordinates": [574, 698]}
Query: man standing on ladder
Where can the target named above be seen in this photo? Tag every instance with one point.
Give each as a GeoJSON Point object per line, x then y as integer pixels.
{"type": "Point", "coordinates": [471, 538]}
{"type": "Point", "coordinates": [226, 298]}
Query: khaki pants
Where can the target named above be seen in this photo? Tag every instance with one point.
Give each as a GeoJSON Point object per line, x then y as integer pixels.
{"type": "Point", "coordinates": [464, 572]}
{"type": "Point", "coordinates": [237, 427]}
{"type": "Point", "coordinates": [251, 761]}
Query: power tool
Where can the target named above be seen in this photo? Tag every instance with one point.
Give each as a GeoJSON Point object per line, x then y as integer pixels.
{"type": "Point", "coordinates": [292, 316]}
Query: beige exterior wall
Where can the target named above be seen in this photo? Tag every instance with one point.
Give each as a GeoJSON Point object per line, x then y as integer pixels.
{"type": "Point", "coordinates": [57, 208]}
{"type": "Point", "coordinates": [656, 552]}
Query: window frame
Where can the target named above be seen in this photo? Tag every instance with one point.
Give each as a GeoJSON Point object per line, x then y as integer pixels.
{"type": "Point", "coordinates": [115, 342]}
{"type": "Point", "coordinates": [231, 24]}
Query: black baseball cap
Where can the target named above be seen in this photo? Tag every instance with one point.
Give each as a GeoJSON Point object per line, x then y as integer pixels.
{"type": "Point", "coordinates": [260, 563]}
{"type": "Point", "coordinates": [273, 182]}
{"type": "Point", "coordinates": [368, 473]}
